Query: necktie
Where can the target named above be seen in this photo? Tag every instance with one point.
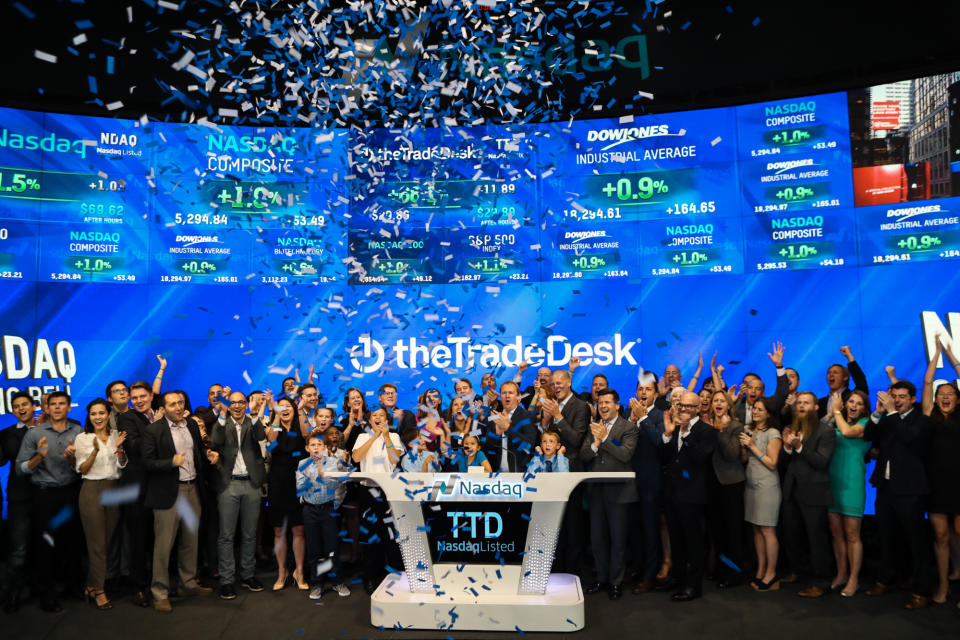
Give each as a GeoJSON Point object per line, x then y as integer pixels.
{"type": "Point", "coordinates": [549, 466]}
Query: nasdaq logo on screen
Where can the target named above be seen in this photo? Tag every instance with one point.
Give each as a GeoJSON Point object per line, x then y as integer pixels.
{"type": "Point", "coordinates": [453, 487]}
{"type": "Point", "coordinates": [370, 355]}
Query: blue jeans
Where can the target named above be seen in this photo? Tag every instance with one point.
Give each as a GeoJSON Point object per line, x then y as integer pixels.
{"type": "Point", "coordinates": [240, 500]}
{"type": "Point", "coordinates": [321, 525]}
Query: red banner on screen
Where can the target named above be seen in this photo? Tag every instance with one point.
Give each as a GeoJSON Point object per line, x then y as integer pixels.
{"type": "Point", "coordinates": [885, 115]}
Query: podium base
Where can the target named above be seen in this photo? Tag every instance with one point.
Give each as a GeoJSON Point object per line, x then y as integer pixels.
{"type": "Point", "coordinates": [393, 605]}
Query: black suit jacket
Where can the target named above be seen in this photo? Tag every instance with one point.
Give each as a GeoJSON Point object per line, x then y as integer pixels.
{"type": "Point", "coordinates": [162, 478]}
{"type": "Point", "coordinates": [223, 439]}
{"type": "Point", "coordinates": [903, 443]}
{"type": "Point", "coordinates": [521, 441]}
{"type": "Point", "coordinates": [573, 426]}
{"type": "Point", "coordinates": [859, 382]}
{"type": "Point", "coordinates": [808, 472]}
{"type": "Point", "coordinates": [646, 461]}
{"type": "Point", "coordinates": [685, 471]}
{"type": "Point", "coordinates": [19, 485]}
{"type": "Point", "coordinates": [613, 455]}
{"type": "Point", "coordinates": [133, 423]}
{"type": "Point", "coordinates": [778, 399]}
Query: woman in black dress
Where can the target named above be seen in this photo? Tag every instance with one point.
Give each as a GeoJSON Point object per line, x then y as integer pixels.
{"type": "Point", "coordinates": [353, 422]}
{"type": "Point", "coordinates": [286, 446]}
{"type": "Point", "coordinates": [942, 469]}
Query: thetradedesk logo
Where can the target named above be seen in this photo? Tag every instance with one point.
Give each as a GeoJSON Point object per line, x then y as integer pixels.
{"type": "Point", "coordinates": [459, 352]}
{"type": "Point", "coordinates": [451, 487]}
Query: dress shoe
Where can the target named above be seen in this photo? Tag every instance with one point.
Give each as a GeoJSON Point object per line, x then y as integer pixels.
{"type": "Point", "coordinates": [162, 606]}
{"type": "Point", "coordinates": [369, 586]}
{"type": "Point", "coordinates": [879, 589]}
{"type": "Point", "coordinates": [196, 591]}
{"type": "Point", "coordinates": [644, 586]}
{"type": "Point", "coordinates": [616, 591]}
{"type": "Point", "coordinates": [917, 602]}
{"type": "Point", "coordinates": [51, 606]}
{"type": "Point", "coordinates": [812, 591]}
{"type": "Point", "coordinates": [141, 600]}
{"type": "Point", "coordinates": [685, 595]}
{"type": "Point", "coordinates": [594, 587]}
{"type": "Point", "coordinates": [666, 585]}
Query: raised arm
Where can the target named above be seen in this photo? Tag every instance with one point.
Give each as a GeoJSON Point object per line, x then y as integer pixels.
{"type": "Point", "coordinates": [856, 373]}
{"type": "Point", "coordinates": [848, 430]}
{"type": "Point", "coordinates": [692, 385]}
{"type": "Point", "coordinates": [158, 381]}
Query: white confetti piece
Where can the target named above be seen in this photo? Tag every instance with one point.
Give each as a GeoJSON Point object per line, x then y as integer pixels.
{"type": "Point", "coordinates": [46, 57]}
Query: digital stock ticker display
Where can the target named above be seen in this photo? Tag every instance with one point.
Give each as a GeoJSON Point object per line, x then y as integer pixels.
{"type": "Point", "coordinates": [420, 255]}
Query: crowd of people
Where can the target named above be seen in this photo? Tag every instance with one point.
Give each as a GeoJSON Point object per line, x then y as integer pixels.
{"type": "Point", "coordinates": [150, 480]}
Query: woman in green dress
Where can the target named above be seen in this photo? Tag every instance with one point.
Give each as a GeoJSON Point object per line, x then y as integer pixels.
{"type": "Point", "coordinates": [848, 480]}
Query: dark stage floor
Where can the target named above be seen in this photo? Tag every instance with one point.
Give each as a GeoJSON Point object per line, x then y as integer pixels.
{"type": "Point", "coordinates": [738, 613]}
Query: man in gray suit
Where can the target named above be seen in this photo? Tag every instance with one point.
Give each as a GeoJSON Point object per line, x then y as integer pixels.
{"type": "Point", "coordinates": [236, 437]}
{"type": "Point", "coordinates": [609, 446]}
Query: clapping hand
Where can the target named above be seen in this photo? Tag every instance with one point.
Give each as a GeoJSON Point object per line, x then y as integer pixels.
{"type": "Point", "coordinates": [502, 422]}
{"type": "Point", "coordinates": [70, 453]}
{"type": "Point", "coordinates": [884, 402]}
{"type": "Point", "coordinates": [178, 459]}
{"type": "Point", "coordinates": [121, 438]}
{"type": "Point", "coordinates": [638, 409]}
{"type": "Point", "coordinates": [598, 431]}
{"type": "Point", "coordinates": [212, 457]}
{"type": "Point", "coordinates": [668, 424]}
{"type": "Point", "coordinates": [43, 448]}
{"type": "Point", "coordinates": [551, 408]}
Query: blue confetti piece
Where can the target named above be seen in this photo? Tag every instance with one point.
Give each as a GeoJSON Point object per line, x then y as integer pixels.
{"type": "Point", "coordinates": [756, 21]}
{"type": "Point", "coordinates": [615, 442]}
{"type": "Point", "coordinates": [61, 517]}
{"type": "Point", "coordinates": [519, 630]}
{"type": "Point", "coordinates": [92, 84]}
{"type": "Point", "coordinates": [730, 563]}
{"type": "Point", "coordinates": [525, 516]}
{"type": "Point", "coordinates": [24, 10]}
{"type": "Point", "coordinates": [686, 25]}
{"type": "Point", "coordinates": [571, 622]}
{"type": "Point", "coordinates": [82, 24]}
{"type": "Point", "coordinates": [685, 474]}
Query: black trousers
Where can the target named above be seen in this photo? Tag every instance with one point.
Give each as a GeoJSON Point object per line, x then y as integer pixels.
{"type": "Point", "coordinates": [59, 538]}
{"type": "Point", "coordinates": [608, 536]}
{"type": "Point", "coordinates": [906, 513]}
{"type": "Point", "coordinates": [379, 546]}
{"type": "Point", "coordinates": [643, 537]}
{"type": "Point", "coordinates": [725, 523]}
{"type": "Point", "coordinates": [685, 524]}
{"type": "Point", "coordinates": [804, 521]}
{"type": "Point", "coordinates": [572, 539]}
{"type": "Point", "coordinates": [137, 522]}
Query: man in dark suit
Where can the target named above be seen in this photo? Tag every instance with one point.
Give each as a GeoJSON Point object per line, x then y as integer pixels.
{"type": "Point", "coordinates": [570, 416]}
{"type": "Point", "coordinates": [645, 516]}
{"type": "Point", "coordinates": [686, 446]}
{"type": "Point", "coordinates": [753, 388]}
{"type": "Point", "coordinates": [236, 437]}
{"type": "Point", "coordinates": [806, 493]}
{"type": "Point", "coordinates": [136, 517]}
{"type": "Point", "coordinates": [838, 379]}
{"type": "Point", "coordinates": [609, 447]}
{"type": "Point", "coordinates": [400, 420]}
{"type": "Point", "coordinates": [509, 436]}
{"type": "Point", "coordinates": [901, 433]}
{"type": "Point", "coordinates": [173, 456]}
{"type": "Point", "coordinates": [19, 498]}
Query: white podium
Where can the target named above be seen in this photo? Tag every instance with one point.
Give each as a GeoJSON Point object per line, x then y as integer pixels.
{"type": "Point", "coordinates": [465, 595]}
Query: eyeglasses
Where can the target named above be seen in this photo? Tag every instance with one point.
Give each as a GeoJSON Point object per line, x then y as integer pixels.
{"type": "Point", "coordinates": [688, 407]}
{"type": "Point", "coordinates": [389, 393]}
{"type": "Point", "coordinates": [238, 402]}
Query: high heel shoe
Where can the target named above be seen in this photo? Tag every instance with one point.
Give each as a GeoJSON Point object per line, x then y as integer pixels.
{"type": "Point", "coordinates": [773, 585]}
{"type": "Point", "coordinates": [99, 599]}
{"type": "Point", "coordinates": [298, 578]}
{"type": "Point", "coordinates": [282, 580]}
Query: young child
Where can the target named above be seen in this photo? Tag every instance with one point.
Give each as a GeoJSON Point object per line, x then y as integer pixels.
{"type": "Point", "coordinates": [549, 456]}
{"type": "Point", "coordinates": [416, 458]}
{"type": "Point", "coordinates": [321, 498]}
{"type": "Point", "coordinates": [471, 456]}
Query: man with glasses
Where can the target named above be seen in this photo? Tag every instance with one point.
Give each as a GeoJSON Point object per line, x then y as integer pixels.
{"type": "Point", "coordinates": [686, 446]}
{"type": "Point", "coordinates": [236, 437]}
{"type": "Point", "coordinates": [398, 419]}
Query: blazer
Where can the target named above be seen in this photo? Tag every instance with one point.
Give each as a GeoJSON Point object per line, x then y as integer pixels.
{"type": "Point", "coordinates": [521, 441]}
{"type": "Point", "coordinates": [223, 439]}
{"type": "Point", "coordinates": [162, 478]}
{"type": "Point", "coordinates": [19, 485]}
{"type": "Point", "coordinates": [646, 459]}
{"type": "Point", "coordinates": [573, 425]}
{"type": "Point", "coordinates": [903, 443]}
{"type": "Point", "coordinates": [614, 454]}
{"type": "Point", "coordinates": [685, 471]}
{"type": "Point", "coordinates": [778, 399]}
{"type": "Point", "coordinates": [134, 424]}
{"type": "Point", "coordinates": [807, 475]}
{"type": "Point", "coordinates": [859, 382]}
{"type": "Point", "coordinates": [727, 464]}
